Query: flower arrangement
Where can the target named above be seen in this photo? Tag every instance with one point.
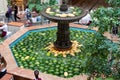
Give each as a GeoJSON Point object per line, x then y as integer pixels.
{"type": "Point", "coordinates": [74, 49]}
{"type": "Point", "coordinates": [72, 11]}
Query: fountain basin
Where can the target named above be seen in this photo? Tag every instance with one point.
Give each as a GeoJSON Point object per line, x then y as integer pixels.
{"type": "Point", "coordinates": [15, 69]}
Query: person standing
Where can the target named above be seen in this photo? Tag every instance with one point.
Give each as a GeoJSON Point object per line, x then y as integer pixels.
{"type": "Point", "coordinates": [27, 13]}
{"type": "Point", "coordinates": [16, 12]}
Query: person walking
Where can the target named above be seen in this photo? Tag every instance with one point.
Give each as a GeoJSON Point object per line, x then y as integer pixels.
{"type": "Point", "coordinates": [16, 12]}
{"type": "Point", "coordinates": [8, 14]}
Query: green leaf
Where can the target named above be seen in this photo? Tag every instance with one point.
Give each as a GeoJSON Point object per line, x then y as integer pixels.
{"type": "Point", "coordinates": [109, 79]}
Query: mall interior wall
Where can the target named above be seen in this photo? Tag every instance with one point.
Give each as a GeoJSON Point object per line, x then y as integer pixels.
{"type": "Point", "coordinates": [3, 5]}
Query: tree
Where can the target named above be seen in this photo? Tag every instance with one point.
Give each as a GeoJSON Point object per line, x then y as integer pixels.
{"type": "Point", "coordinates": [105, 19]}
{"type": "Point", "coordinates": [114, 3]}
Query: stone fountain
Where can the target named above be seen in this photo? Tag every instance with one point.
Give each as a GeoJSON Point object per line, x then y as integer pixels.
{"type": "Point", "coordinates": [63, 15]}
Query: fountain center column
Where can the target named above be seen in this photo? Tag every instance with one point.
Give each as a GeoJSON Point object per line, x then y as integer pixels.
{"type": "Point", "coordinates": [63, 36]}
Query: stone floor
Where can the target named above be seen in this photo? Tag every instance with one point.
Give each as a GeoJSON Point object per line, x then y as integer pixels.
{"type": "Point", "coordinates": [12, 67]}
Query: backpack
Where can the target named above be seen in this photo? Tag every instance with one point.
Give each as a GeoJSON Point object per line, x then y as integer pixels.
{"type": "Point", "coordinates": [7, 14]}
{"type": "Point", "coordinates": [28, 13]}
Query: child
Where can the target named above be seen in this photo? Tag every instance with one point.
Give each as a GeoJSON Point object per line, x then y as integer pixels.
{"type": "Point", "coordinates": [36, 73]}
